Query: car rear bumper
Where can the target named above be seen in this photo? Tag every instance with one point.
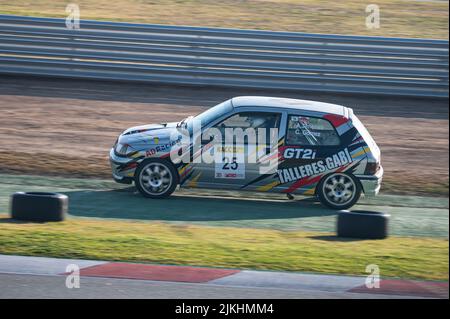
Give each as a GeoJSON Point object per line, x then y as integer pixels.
{"type": "Point", "coordinates": [371, 184]}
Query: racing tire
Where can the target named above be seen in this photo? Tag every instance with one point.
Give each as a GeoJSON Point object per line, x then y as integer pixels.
{"type": "Point", "coordinates": [39, 206]}
{"type": "Point", "coordinates": [156, 178]}
{"type": "Point", "coordinates": [362, 224]}
{"type": "Point", "coordinates": [338, 191]}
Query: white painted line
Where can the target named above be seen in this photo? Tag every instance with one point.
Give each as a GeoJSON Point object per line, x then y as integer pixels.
{"type": "Point", "coordinates": [40, 265]}
{"type": "Point", "coordinates": [273, 279]}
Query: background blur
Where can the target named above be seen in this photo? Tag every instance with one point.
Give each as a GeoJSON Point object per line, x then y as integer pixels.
{"type": "Point", "coordinates": [399, 18]}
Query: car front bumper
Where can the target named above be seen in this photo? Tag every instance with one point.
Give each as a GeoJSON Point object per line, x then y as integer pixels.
{"type": "Point", "coordinates": [122, 168]}
{"type": "Point", "coordinates": [371, 184]}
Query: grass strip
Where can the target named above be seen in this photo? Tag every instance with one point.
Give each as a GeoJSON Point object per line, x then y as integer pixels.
{"type": "Point", "coordinates": [246, 248]}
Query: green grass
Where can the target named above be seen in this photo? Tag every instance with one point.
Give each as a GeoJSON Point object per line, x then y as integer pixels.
{"type": "Point", "coordinates": [399, 18]}
{"type": "Point", "coordinates": [421, 258]}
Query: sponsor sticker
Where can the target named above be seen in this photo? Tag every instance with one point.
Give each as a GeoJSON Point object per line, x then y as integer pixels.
{"type": "Point", "coordinates": [329, 163]}
{"type": "Point", "coordinates": [299, 153]}
{"type": "Point", "coordinates": [161, 148]}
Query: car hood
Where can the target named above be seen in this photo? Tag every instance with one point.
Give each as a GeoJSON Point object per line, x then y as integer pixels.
{"type": "Point", "coordinates": [149, 128]}
{"type": "Point", "coordinates": [139, 137]}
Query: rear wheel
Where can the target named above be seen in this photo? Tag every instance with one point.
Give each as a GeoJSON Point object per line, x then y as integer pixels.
{"type": "Point", "coordinates": [156, 178]}
{"type": "Point", "coordinates": [339, 191]}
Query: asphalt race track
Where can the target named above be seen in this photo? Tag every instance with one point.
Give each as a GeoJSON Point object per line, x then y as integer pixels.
{"type": "Point", "coordinates": [410, 215]}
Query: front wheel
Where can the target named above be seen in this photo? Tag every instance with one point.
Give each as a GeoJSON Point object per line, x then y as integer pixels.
{"type": "Point", "coordinates": [339, 191]}
{"type": "Point", "coordinates": [156, 178]}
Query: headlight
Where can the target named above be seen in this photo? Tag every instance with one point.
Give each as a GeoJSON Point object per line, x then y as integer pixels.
{"type": "Point", "coordinates": [122, 149]}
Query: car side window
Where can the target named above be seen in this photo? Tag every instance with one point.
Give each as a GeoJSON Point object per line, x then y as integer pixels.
{"type": "Point", "coordinates": [310, 131]}
{"type": "Point", "coordinates": [255, 120]}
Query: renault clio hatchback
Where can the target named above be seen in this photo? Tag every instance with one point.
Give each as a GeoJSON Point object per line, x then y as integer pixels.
{"type": "Point", "coordinates": [320, 150]}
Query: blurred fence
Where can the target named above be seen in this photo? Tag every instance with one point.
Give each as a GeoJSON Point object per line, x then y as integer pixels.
{"type": "Point", "coordinates": [224, 57]}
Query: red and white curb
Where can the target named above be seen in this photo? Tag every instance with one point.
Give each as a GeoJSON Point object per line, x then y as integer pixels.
{"type": "Point", "coordinates": [224, 277]}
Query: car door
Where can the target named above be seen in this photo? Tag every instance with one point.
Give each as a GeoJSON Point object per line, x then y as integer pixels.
{"type": "Point", "coordinates": [236, 159]}
{"type": "Point", "coordinates": [309, 141]}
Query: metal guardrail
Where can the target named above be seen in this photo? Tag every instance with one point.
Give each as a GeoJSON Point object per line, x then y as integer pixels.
{"type": "Point", "coordinates": [224, 57]}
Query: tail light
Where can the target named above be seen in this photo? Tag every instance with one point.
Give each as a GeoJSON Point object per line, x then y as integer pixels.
{"type": "Point", "coordinates": [372, 168]}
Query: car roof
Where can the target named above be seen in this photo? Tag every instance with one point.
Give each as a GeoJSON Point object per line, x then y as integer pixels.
{"type": "Point", "coordinates": [267, 101]}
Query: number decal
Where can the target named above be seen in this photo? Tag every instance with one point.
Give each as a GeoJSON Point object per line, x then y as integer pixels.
{"type": "Point", "coordinates": [234, 165]}
{"type": "Point", "coordinates": [230, 163]}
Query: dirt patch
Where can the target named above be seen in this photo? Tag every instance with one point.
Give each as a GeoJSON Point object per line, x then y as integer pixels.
{"type": "Point", "coordinates": [414, 153]}
{"type": "Point", "coordinates": [71, 134]}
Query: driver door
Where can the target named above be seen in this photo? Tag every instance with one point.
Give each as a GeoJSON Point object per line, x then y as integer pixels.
{"type": "Point", "coordinates": [235, 156]}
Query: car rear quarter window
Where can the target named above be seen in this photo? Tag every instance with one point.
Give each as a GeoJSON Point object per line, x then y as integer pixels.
{"type": "Point", "coordinates": [366, 136]}
{"type": "Point", "coordinates": [311, 131]}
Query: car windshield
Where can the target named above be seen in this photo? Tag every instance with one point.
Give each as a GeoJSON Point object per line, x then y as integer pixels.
{"type": "Point", "coordinates": [212, 113]}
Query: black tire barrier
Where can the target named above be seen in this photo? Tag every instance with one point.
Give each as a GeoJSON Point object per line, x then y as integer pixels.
{"type": "Point", "coordinates": [362, 224]}
{"type": "Point", "coordinates": [39, 206]}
